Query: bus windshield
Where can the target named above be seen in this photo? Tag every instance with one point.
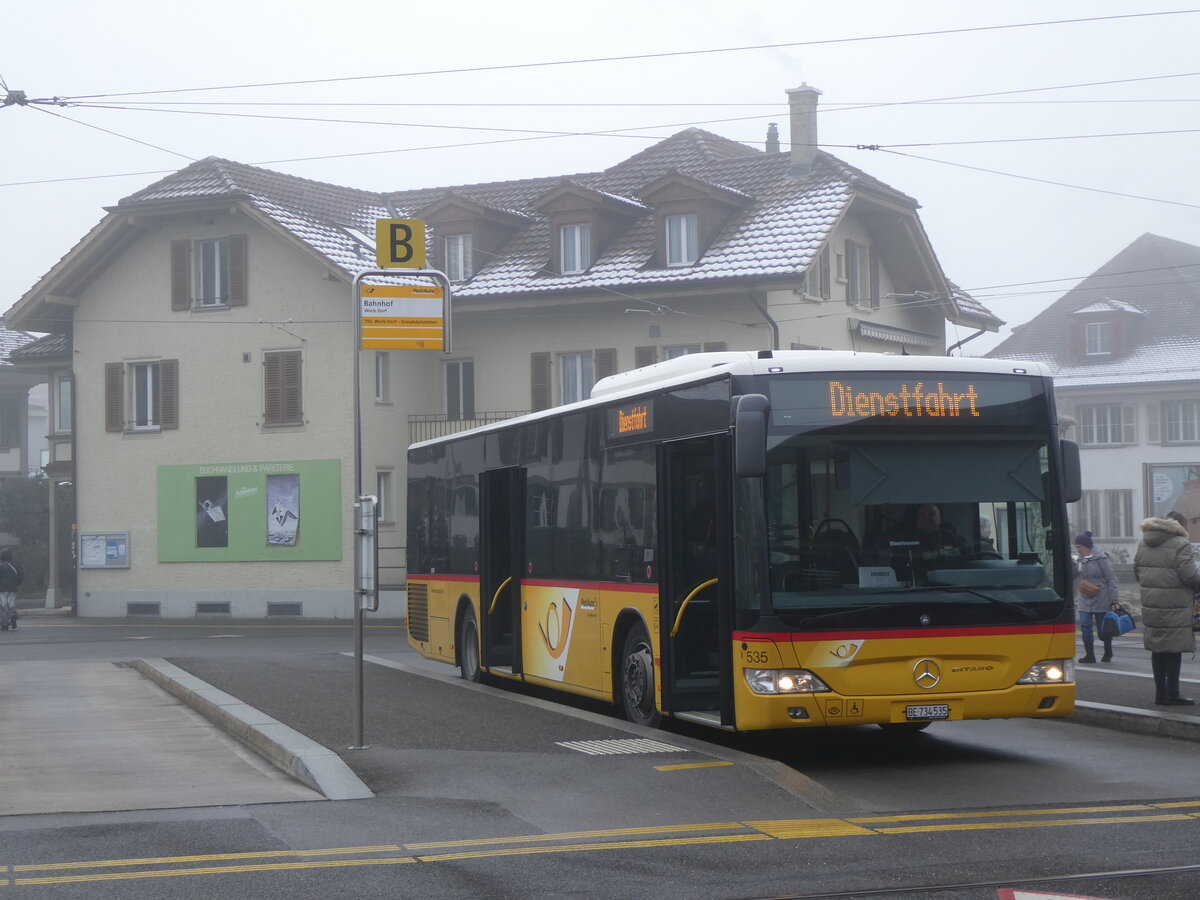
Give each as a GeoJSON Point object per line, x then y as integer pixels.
{"type": "Point", "coordinates": [873, 518]}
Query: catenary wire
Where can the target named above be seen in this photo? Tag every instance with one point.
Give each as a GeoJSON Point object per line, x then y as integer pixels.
{"type": "Point", "coordinates": [659, 55]}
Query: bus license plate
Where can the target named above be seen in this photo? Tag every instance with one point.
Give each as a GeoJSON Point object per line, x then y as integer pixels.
{"type": "Point", "coordinates": [934, 711]}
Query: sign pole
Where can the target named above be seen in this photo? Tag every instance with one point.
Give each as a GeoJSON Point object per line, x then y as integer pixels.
{"type": "Point", "coordinates": [391, 336]}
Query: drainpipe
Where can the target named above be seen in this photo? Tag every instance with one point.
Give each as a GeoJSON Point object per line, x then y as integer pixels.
{"type": "Point", "coordinates": [950, 350]}
{"type": "Point", "coordinates": [771, 322]}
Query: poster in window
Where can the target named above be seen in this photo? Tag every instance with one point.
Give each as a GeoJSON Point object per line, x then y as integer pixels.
{"type": "Point", "coordinates": [212, 522]}
{"type": "Point", "coordinates": [283, 510]}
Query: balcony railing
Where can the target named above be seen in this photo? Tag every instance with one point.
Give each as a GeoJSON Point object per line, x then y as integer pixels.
{"type": "Point", "coordinates": [434, 425]}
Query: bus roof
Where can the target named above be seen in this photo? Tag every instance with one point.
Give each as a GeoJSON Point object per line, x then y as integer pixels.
{"type": "Point", "coordinates": [694, 368]}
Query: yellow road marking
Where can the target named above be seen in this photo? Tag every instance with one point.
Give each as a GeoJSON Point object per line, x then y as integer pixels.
{"type": "Point", "coordinates": [618, 845]}
{"type": "Point", "coordinates": [217, 870]}
{"type": "Point", "coordinates": [737, 832]}
{"type": "Point", "coordinates": [704, 765]}
{"type": "Point", "coordinates": [1044, 823]}
{"type": "Point", "coordinates": [208, 857]}
{"type": "Point", "coordinates": [574, 835]}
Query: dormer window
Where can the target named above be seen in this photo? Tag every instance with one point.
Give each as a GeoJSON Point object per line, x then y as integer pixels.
{"type": "Point", "coordinates": [682, 239]}
{"type": "Point", "coordinates": [575, 247]}
{"type": "Point", "coordinates": [458, 257]}
{"type": "Point", "coordinates": [1098, 336]}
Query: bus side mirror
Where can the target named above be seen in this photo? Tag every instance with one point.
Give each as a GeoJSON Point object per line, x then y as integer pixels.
{"type": "Point", "coordinates": [750, 412]}
{"type": "Point", "coordinates": [1072, 476]}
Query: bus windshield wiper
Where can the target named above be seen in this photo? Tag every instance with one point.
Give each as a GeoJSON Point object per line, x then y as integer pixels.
{"type": "Point", "coordinates": [999, 601]}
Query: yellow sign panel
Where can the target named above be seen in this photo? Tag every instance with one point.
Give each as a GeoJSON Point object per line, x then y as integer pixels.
{"type": "Point", "coordinates": [402, 317]}
{"type": "Point", "coordinates": [400, 243]}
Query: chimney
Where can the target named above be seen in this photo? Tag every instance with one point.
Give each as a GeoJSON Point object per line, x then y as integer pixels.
{"type": "Point", "coordinates": [772, 138]}
{"type": "Point", "coordinates": [803, 104]}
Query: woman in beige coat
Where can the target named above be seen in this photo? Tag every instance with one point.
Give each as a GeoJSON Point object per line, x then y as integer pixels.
{"type": "Point", "coordinates": [1166, 570]}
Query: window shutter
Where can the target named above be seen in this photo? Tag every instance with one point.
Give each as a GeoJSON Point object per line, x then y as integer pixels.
{"type": "Point", "coordinates": [714, 347]}
{"type": "Point", "coordinates": [237, 270]}
{"type": "Point", "coordinates": [873, 258]}
{"type": "Point", "coordinates": [10, 423]}
{"type": "Point", "coordinates": [1128, 425]}
{"type": "Point", "coordinates": [606, 362]}
{"type": "Point", "coordinates": [1153, 433]}
{"type": "Point", "coordinates": [468, 388]}
{"type": "Point", "coordinates": [114, 383]}
{"type": "Point", "coordinates": [168, 415]}
{"type": "Point", "coordinates": [181, 276]}
{"type": "Point", "coordinates": [852, 285]}
{"type": "Point", "coordinates": [282, 397]}
{"type": "Point", "coordinates": [644, 356]}
{"type": "Point", "coordinates": [826, 281]}
{"type": "Point", "coordinates": [539, 381]}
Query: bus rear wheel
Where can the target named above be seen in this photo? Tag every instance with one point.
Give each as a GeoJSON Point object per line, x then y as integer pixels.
{"type": "Point", "coordinates": [468, 647]}
{"type": "Point", "coordinates": [637, 678]}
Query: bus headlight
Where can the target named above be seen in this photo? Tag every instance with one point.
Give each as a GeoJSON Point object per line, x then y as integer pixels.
{"type": "Point", "coordinates": [784, 681]}
{"type": "Point", "coordinates": [1050, 671]}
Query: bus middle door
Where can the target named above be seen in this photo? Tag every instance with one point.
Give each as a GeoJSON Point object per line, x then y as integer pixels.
{"type": "Point", "coordinates": [694, 512]}
{"type": "Point", "coordinates": [502, 517]}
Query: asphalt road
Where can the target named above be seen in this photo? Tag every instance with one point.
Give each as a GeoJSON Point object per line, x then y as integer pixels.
{"type": "Point", "coordinates": [482, 792]}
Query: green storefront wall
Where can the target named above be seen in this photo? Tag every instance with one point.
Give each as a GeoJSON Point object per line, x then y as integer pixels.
{"type": "Point", "coordinates": [223, 512]}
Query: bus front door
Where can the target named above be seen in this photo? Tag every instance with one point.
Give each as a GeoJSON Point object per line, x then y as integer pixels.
{"type": "Point", "coordinates": [502, 517]}
{"type": "Point", "coordinates": [696, 620]}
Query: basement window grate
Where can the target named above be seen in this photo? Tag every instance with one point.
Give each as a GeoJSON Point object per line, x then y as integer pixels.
{"type": "Point", "coordinates": [285, 609]}
{"type": "Point", "coordinates": [143, 609]}
{"type": "Point", "coordinates": [213, 608]}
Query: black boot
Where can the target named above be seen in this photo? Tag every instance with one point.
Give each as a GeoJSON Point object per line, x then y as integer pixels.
{"type": "Point", "coordinates": [1089, 652]}
{"type": "Point", "coordinates": [1160, 678]}
{"type": "Point", "coordinates": [1107, 652]}
{"type": "Point", "coordinates": [1173, 697]}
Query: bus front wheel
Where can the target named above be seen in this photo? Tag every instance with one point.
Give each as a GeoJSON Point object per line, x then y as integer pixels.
{"type": "Point", "coordinates": [637, 678]}
{"type": "Point", "coordinates": [468, 647]}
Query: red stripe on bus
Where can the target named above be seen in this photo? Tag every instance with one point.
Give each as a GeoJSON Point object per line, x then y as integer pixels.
{"type": "Point", "coordinates": [897, 633]}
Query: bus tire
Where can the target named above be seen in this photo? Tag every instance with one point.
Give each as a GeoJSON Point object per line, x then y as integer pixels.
{"type": "Point", "coordinates": [468, 646]}
{"type": "Point", "coordinates": [637, 678]}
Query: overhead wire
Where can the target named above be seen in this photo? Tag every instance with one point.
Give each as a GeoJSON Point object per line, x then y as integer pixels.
{"type": "Point", "coordinates": [658, 55]}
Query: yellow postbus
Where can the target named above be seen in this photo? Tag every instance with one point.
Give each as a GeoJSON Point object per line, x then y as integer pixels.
{"type": "Point", "coordinates": [761, 540]}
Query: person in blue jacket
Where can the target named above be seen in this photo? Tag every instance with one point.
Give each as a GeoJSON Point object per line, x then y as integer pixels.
{"type": "Point", "coordinates": [1095, 568]}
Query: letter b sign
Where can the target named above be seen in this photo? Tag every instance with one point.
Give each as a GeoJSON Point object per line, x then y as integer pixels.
{"type": "Point", "coordinates": [400, 243]}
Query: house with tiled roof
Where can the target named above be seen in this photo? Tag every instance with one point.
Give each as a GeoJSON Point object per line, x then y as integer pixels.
{"type": "Point", "coordinates": [207, 326]}
{"type": "Point", "coordinates": [1124, 346]}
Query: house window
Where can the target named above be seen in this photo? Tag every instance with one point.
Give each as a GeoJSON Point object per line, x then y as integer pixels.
{"type": "Point", "coordinates": [212, 272]}
{"type": "Point", "coordinates": [575, 248]}
{"type": "Point", "coordinates": [683, 242]}
{"type": "Point", "coordinates": [1107, 514]}
{"type": "Point", "coordinates": [1102, 425]}
{"type": "Point", "coordinates": [460, 389]}
{"type": "Point", "coordinates": [1099, 338]}
{"type": "Point", "coordinates": [681, 350]}
{"type": "Point", "coordinates": [458, 257]}
{"type": "Point", "coordinates": [208, 273]}
{"type": "Point", "coordinates": [283, 388]}
{"type": "Point", "coordinates": [142, 395]}
{"type": "Point", "coordinates": [64, 403]}
{"type": "Point", "coordinates": [383, 392]}
{"type": "Point", "coordinates": [383, 491]}
{"type": "Point", "coordinates": [575, 376]}
{"type": "Point", "coordinates": [1180, 422]}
